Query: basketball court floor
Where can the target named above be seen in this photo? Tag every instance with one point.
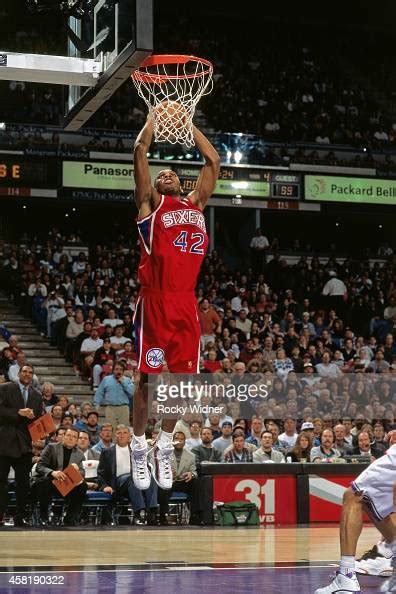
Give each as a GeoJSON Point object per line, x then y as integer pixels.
{"type": "Point", "coordinates": [168, 560]}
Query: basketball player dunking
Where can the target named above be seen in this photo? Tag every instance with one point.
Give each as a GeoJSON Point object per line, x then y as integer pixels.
{"type": "Point", "coordinates": [173, 243]}
{"type": "Point", "coordinates": [374, 491]}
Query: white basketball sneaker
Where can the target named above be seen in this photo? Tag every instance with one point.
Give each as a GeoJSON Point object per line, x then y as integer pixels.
{"type": "Point", "coordinates": [161, 465]}
{"type": "Point", "coordinates": [140, 471]}
{"type": "Point", "coordinates": [343, 583]}
{"type": "Point", "coordinates": [373, 563]}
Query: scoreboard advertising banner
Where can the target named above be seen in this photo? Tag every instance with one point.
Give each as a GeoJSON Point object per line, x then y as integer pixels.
{"type": "Point", "coordinates": [254, 183]}
{"type": "Point", "coordinates": [275, 495]}
{"type": "Point", "coordinates": [358, 190]}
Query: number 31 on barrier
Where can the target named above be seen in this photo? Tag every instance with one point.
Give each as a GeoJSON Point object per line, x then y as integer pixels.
{"type": "Point", "coordinates": [261, 494]}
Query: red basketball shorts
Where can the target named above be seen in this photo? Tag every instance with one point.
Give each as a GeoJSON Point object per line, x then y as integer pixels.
{"type": "Point", "coordinates": [167, 329]}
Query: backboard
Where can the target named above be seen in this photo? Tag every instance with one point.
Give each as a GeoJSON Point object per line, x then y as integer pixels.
{"type": "Point", "coordinates": [103, 41]}
{"type": "Point", "coordinates": [118, 34]}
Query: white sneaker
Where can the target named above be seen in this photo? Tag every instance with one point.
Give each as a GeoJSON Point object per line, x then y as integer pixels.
{"type": "Point", "coordinates": [161, 466]}
{"type": "Point", "coordinates": [373, 563]}
{"type": "Point", "coordinates": [342, 584]}
{"type": "Point", "coordinates": [140, 471]}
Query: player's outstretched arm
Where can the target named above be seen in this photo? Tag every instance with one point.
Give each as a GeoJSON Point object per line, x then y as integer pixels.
{"type": "Point", "coordinates": [146, 197]}
{"type": "Point", "coordinates": [209, 173]}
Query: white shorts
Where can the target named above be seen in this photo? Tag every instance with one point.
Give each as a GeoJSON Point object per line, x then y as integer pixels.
{"type": "Point", "coordinates": [375, 484]}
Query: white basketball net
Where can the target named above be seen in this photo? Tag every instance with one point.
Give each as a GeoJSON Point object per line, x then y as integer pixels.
{"type": "Point", "coordinates": [171, 90]}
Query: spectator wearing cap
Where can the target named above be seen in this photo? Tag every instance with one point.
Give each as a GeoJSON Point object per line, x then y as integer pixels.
{"type": "Point", "coordinates": [335, 293]}
{"type": "Point", "coordinates": [91, 426]}
{"type": "Point", "coordinates": [225, 440]}
{"type": "Point", "coordinates": [308, 428]}
{"type": "Point", "coordinates": [266, 451]}
{"type": "Point", "coordinates": [210, 322]}
{"type": "Point", "coordinates": [288, 438]}
{"type": "Point", "coordinates": [67, 419]}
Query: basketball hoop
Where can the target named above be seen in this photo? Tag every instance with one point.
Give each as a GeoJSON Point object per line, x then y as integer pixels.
{"type": "Point", "coordinates": [171, 86]}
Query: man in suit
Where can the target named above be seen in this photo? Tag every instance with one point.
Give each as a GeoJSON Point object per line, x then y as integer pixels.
{"type": "Point", "coordinates": [184, 472]}
{"type": "Point", "coordinates": [20, 403]}
{"type": "Point", "coordinates": [53, 461]}
{"type": "Point", "coordinates": [114, 476]}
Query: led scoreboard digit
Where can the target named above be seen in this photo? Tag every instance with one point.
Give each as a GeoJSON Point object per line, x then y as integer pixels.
{"type": "Point", "coordinates": [28, 173]}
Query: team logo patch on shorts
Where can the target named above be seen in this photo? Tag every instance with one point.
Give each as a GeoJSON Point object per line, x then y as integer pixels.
{"type": "Point", "coordinates": [155, 357]}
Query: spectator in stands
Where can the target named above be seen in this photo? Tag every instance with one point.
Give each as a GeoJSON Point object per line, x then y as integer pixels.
{"type": "Point", "coordinates": [74, 328]}
{"type": "Point", "coordinates": [194, 440]}
{"type": "Point", "coordinates": [20, 403]}
{"type": "Point", "coordinates": [210, 322]}
{"type": "Point", "coordinates": [347, 422]}
{"type": "Point", "coordinates": [115, 394]}
{"type": "Point", "coordinates": [238, 452]}
{"type": "Point", "coordinates": [88, 348]}
{"type": "Point", "coordinates": [53, 461]}
{"type": "Point", "coordinates": [13, 371]}
{"type": "Point", "coordinates": [328, 369]}
{"type": "Point", "coordinates": [326, 451]}
{"type": "Point", "coordinates": [256, 430]}
{"type": "Point", "coordinates": [259, 244]}
{"type": "Point", "coordinates": [91, 426]}
{"type": "Point", "coordinates": [103, 361]}
{"type": "Point", "coordinates": [378, 365]}
{"type": "Point", "coordinates": [266, 452]}
{"type": "Point", "coordinates": [91, 462]}
{"type": "Point", "coordinates": [301, 451]}
{"type": "Point", "coordinates": [366, 448]}
{"type": "Point", "coordinates": [115, 477]}
{"type": "Point", "coordinates": [106, 438]}
{"type": "Point", "coordinates": [57, 414]}
{"type": "Point", "coordinates": [225, 440]}
{"type": "Point", "coordinates": [288, 438]}
{"type": "Point", "coordinates": [341, 444]}
{"type": "Point", "coordinates": [206, 452]}
{"type": "Point", "coordinates": [6, 361]}
{"type": "Point", "coordinates": [335, 291]}
{"type": "Point", "coordinates": [48, 395]}
{"type": "Point", "coordinates": [67, 419]}
{"type": "Point", "coordinates": [282, 365]}
{"type": "Point", "coordinates": [184, 480]}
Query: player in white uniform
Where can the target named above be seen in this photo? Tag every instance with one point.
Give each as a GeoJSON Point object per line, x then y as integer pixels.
{"type": "Point", "coordinates": [374, 492]}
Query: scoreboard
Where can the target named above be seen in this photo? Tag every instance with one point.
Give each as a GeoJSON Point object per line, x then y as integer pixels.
{"type": "Point", "coordinates": [114, 181]}
{"type": "Point", "coordinates": [246, 181]}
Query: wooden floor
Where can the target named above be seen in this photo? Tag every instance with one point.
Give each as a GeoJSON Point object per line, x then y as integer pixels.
{"type": "Point", "coordinates": [56, 548]}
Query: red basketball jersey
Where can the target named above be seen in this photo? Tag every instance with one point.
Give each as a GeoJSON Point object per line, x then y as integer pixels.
{"type": "Point", "coordinates": [173, 245]}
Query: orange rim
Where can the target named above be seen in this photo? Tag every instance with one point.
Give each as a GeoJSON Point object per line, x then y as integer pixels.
{"type": "Point", "coordinates": [159, 59]}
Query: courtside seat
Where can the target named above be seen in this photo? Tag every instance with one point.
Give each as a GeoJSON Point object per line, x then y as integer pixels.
{"type": "Point", "coordinates": [98, 508]}
{"type": "Point", "coordinates": [179, 506]}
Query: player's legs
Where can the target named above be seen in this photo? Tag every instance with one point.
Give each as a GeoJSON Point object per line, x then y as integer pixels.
{"type": "Point", "coordinates": [371, 491]}
{"type": "Point", "coordinates": [182, 357]}
{"type": "Point", "coordinates": [152, 334]}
